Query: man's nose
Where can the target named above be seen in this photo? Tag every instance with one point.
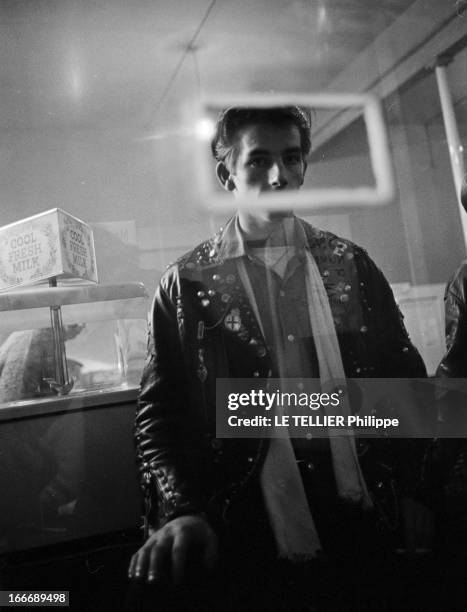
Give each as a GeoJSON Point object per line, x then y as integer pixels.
{"type": "Point", "coordinates": [277, 176]}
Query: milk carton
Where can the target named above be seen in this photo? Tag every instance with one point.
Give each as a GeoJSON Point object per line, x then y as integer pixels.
{"type": "Point", "coordinates": [50, 244]}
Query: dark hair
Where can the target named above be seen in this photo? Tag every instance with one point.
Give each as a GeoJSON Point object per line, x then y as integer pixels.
{"type": "Point", "coordinates": [232, 119]}
{"type": "Point", "coordinates": [464, 192]}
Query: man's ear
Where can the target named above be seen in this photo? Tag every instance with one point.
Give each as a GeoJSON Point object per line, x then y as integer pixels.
{"type": "Point", "coordinates": [224, 176]}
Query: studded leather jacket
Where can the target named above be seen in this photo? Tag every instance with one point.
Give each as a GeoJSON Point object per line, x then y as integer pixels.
{"type": "Point", "coordinates": [184, 468]}
{"type": "Point", "coordinates": [454, 361]}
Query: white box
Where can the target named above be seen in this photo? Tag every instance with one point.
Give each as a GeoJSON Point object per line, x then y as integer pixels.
{"type": "Point", "coordinates": [50, 244]}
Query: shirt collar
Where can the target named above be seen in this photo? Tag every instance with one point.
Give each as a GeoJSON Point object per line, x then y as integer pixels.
{"type": "Point", "coordinates": [233, 242]}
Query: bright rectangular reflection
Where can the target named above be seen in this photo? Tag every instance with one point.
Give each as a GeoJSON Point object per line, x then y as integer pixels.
{"type": "Point", "coordinates": [318, 192]}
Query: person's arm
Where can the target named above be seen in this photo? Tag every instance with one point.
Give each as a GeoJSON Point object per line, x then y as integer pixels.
{"type": "Point", "coordinates": [169, 454]}
{"type": "Point", "coordinates": [454, 361]}
{"type": "Point", "coordinates": [447, 463]}
{"type": "Point", "coordinates": [398, 358]}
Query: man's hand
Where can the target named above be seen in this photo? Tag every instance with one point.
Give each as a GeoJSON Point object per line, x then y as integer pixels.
{"type": "Point", "coordinates": [418, 523]}
{"type": "Point", "coordinates": [183, 546]}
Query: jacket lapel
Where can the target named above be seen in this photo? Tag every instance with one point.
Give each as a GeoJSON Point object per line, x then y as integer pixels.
{"type": "Point", "coordinates": [229, 305]}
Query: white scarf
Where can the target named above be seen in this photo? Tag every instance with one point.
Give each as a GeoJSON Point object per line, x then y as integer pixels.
{"type": "Point", "coordinates": [281, 482]}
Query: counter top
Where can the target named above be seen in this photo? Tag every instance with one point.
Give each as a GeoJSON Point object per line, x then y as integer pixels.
{"type": "Point", "coordinates": [81, 400]}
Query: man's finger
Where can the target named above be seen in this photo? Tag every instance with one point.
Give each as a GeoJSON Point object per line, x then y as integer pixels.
{"type": "Point", "coordinates": [179, 560]}
{"type": "Point", "coordinates": [132, 566]}
{"type": "Point", "coordinates": [159, 559]}
{"type": "Point", "coordinates": [142, 559]}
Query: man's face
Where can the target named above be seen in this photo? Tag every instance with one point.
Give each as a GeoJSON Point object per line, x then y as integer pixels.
{"type": "Point", "coordinates": [269, 158]}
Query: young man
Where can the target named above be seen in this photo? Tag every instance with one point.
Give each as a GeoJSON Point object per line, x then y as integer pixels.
{"type": "Point", "coordinates": [268, 296]}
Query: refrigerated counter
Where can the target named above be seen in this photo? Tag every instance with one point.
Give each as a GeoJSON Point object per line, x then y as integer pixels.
{"type": "Point", "coordinates": [67, 461]}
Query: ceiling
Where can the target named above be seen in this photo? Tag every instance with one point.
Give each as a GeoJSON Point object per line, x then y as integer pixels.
{"type": "Point", "coordinates": [95, 97]}
{"type": "Point", "coordinates": [97, 64]}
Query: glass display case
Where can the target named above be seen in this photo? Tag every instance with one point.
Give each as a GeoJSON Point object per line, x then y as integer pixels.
{"type": "Point", "coordinates": [104, 339]}
{"type": "Point", "coordinates": [64, 448]}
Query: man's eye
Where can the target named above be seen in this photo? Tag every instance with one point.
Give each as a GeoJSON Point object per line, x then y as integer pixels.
{"type": "Point", "coordinates": [293, 159]}
{"type": "Point", "coordinates": [258, 162]}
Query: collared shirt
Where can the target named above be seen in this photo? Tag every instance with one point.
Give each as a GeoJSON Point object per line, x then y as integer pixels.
{"type": "Point", "coordinates": [281, 304]}
{"type": "Point", "coordinates": [282, 307]}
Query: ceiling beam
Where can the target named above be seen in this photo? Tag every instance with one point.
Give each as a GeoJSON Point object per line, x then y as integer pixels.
{"type": "Point", "coordinates": [428, 29]}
